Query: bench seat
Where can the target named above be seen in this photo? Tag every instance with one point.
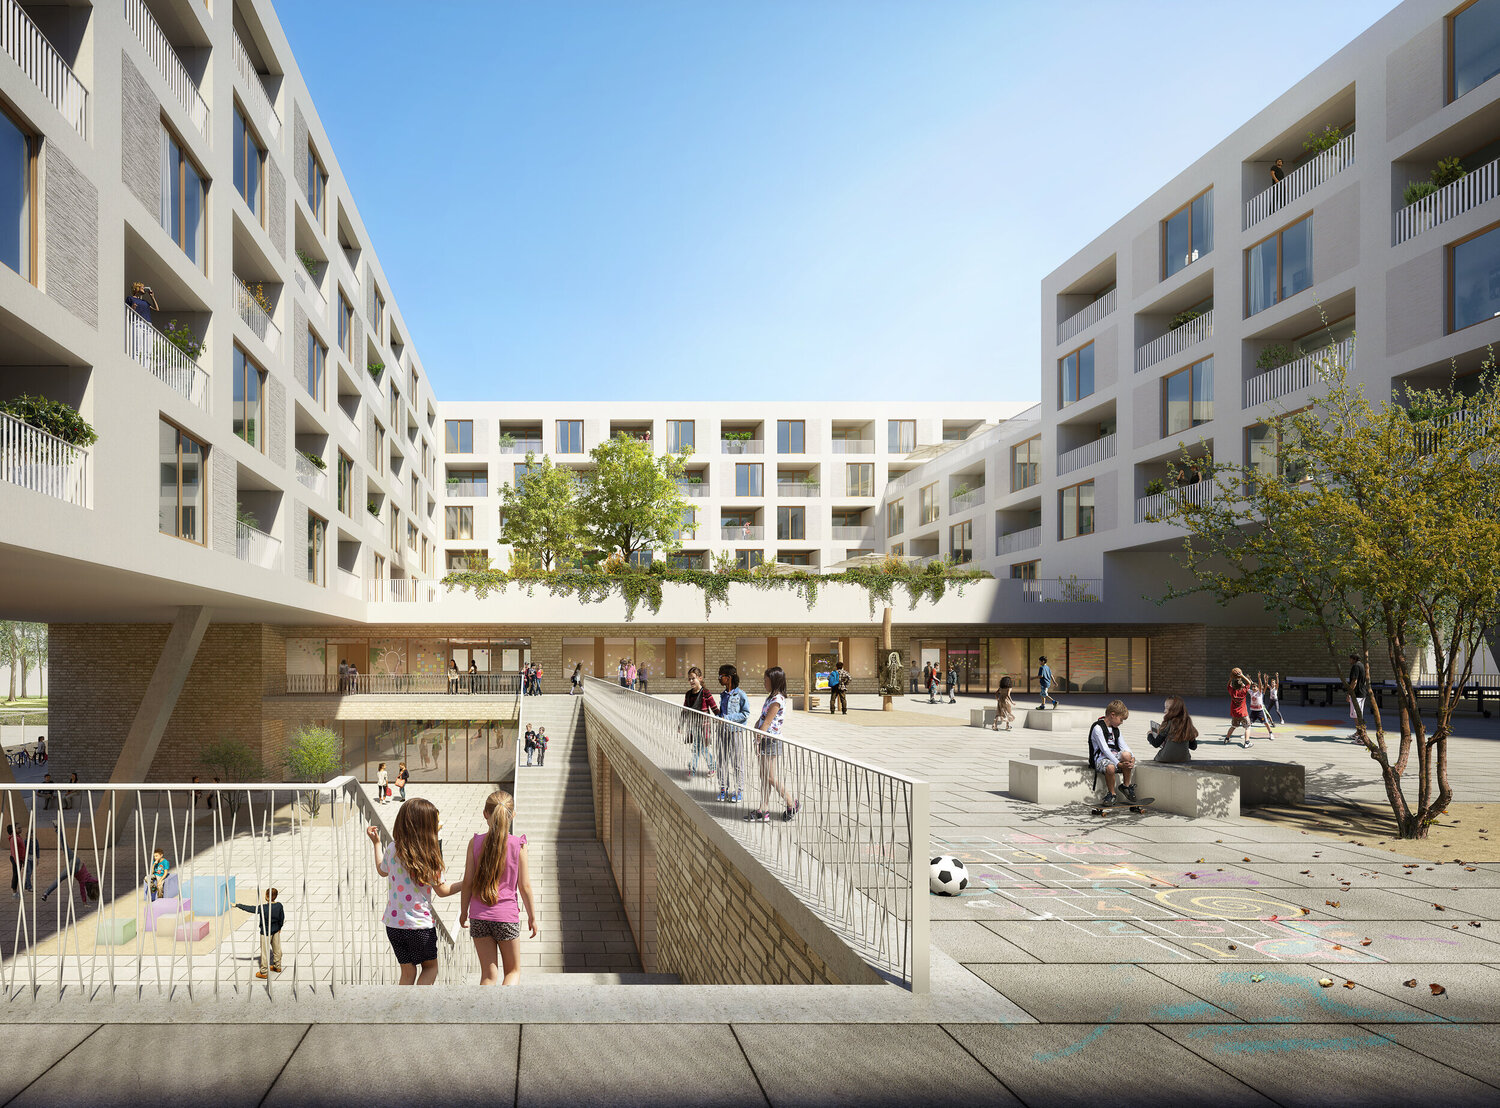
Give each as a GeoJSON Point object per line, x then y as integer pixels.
{"type": "Point", "coordinates": [1196, 788]}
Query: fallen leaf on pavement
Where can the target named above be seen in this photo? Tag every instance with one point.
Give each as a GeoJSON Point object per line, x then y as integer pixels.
{"type": "Point", "coordinates": [1331, 903]}
{"type": "Point", "coordinates": [1326, 982]}
{"type": "Point", "coordinates": [1412, 984]}
{"type": "Point", "coordinates": [1437, 990]}
{"type": "Point", "coordinates": [1233, 947]}
{"type": "Point", "coordinates": [1348, 984]}
{"type": "Point", "coordinates": [1440, 908]}
{"type": "Point", "coordinates": [1367, 942]}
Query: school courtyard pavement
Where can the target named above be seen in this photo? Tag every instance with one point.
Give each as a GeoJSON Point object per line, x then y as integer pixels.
{"type": "Point", "coordinates": [1148, 959]}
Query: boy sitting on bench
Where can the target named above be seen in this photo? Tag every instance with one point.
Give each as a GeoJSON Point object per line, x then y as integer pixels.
{"type": "Point", "coordinates": [1109, 754]}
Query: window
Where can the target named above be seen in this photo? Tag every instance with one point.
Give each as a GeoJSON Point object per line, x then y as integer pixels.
{"type": "Point", "coordinates": [346, 326]}
{"type": "Point", "coordinates": [346, 484]}
{"type": "Point", "coordinates": [249, 416]}
{"type": "Point", "coordinates": [395, 531]}
{"type": "Point", "coordinates": [317, 186]}
{"type": "Point", "coordinates": [413, 494]}
{"type": "Point", "coordinates": [460, 561]}
{"type": "Point", "coordinates": [1473, 46]}
{"type": "Point", "coordinates": [1278, 267]}
{"type": "Point", "coordinates": [859, 478]}
{"type": "Point", "coordinates": [791, 436]}
{"type": "Point", "coordinates": [747, 479]}
{"type": "Point", "coordinates": [898, 550]}
{"type": "Point", "coordinates": [17, 192]}
{"type": "Point", "coordinates": [395, 406]}
{"type": "Point", "coordinates": [411, 535]}
{"type": "Point", "coordinates": [1263, 453]}
{"type": "Point", "coordinates": [1187, 234]}
{"type": "Point", "coordinates": [460, 436]}
{"type": "Point", "coordinates": [848, 517]}
{"type": "Point", "coordinates": [961, 541]}
{"type": "Point", "coordinates": [379, 458]}
{"type": "Point", "coordinates": [570, 436]}
{"type": "Point", "coordinates": [249, 165]}
{"type": "Point", "coordinates": [1025, 463]}
{"type": "Point", "coordinates": [1076, 375]}
{"type": "Point", "coordinates": [182, 199]}
{"type": "Point", "coordinates": [1474, 280]}
{"type": "Point", "coordinates": [903, 435]}
{"type": "Point", "coordinates": [317, 366]}
{"type": "Point", "coordinates": [1024, 571]}
{"type": "Point", "coordinates": [1077, 510]}
{"type": "Point", "coordinates": [680, 435]}
{"type": "Point", "coordinates": [181, 499]}
{"type": "Point", "coordinates": [929, 504]}
{"type": "Point", "coordinates": [378, 320]}
{"type": "Point", "coordinates": [895, 517]}
{"type": "Point", "coordinates": [521, 469]}
{"type": "Point", "coordinates": [1187, 397]}
{"type": "Point", "coordinates": [458, 523]}
{"type": "Point", "coordinates": [748, 559]}
{"type": "Point", "coordinates": [377, 582]}
{"type": "Point", "coordinates": [791, 523]}
{"type": "Point", "coordinates": [689, 525]}
{"type": "Point", "coordinates": [801, 558]}
{"type": "Point", "coordinates": [317, 553]}
{"type": "Point", "coordinates": [468, 482]}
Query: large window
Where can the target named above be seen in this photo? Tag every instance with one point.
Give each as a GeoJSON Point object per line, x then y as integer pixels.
{"type": "Point", "coordinates": [1474, 281]}
{"type": "Point", "coordinates": [1278, 267]}
{"type": "Point", "coordinates": [680, 435]}
{"type": "Point", "coordinates": [17, 190]}
{"type": "Point", "coordinates": [903, 435]}
{"type": "Point", "coordinates": [928, 499]}
{"type": "Point", "coordinates": [791, 523]}
{"type": "Point", "coordinates": [1076, 375]}
{"type": "Point", "coordinates": [1024, 571]}
{"type": "Point", "coordinates": [378, 321]}
{"type": "Point", "coordinates": [1264, 453]}
{"type": "Point", "coordinates": [317, 186]}
{"type": "Point", "coordinates": [1187, 234]}
{"type": "Point", "coordinates": [747, 479]}
{"type": "Point", "coordinates": [1473, 46]}
{"type": "Point", "coordinates": [460, 436]}
{"type": "Point", "coordinates": [961, 541]}
{"type": "Point", "coordinates": [317, 550]}
{"type": "Point", "coordinates": [859, 478]}
{"type": "Point", "coordinates": [895, 518]}
{"type": "Point", "coordinates": [458, 523]}
{"type": "Point", "coordinates": [748, 559]}
{"type": "Point", "coordinates": [181, 498]}
{"type": "Point", "coordinates": [379, 458]}
{"type": "Point", "coordinates": [791, 436]}
{"type": "Point", "coordinates": [317, 366]}
{"type": "Point", "coordinates": [182, 199]}
{"type": "Point", "coordinates": [1025, 463]}
{"type": "Point", "coordinates": [346, 484]}
{"type": "Point", "coordinates": [1077, 503]}
{"type": "Point", "coordinates": [570, 436]}
{"type": "Point", "coordinates": [346, 326]}
{"type": "Point", "coordinates": [249, 165]}
{"type": "Point", "coordinates": [249, 416]}
{"type": "Point", "coordinates": [1187, 397]}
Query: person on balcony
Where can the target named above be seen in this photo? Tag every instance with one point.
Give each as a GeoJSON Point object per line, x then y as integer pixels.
{"type": "Point", "coordinates": [452, 676]}
{"type": "Point", "coordinates": [473, 676]}
{"type": "Point", "coordinates": [1277, 172]}
{"type": "Point", "coordinates": [142, 300]}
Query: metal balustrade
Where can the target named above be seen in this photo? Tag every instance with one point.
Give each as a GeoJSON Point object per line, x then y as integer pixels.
{"type": "Point", "coordinates": [1062, 590]}
{"type": "Point", "coordinates": [394, 684]}
{"type": "Point", "coordinates": [311, 476]}
{"type": "Point", "coordinates": [853, 446]}
{"type": "Point", "coordinates": [256, 547]}
{"type": "Point", "coordinates": [797, 488]}
{"type": "Point", "coordinates": [1469, 191]}
{"type": "Point", "coordinates": [150, 348]}
{"type": "Point", "coordinates": [1089, 315]}
{"type": "Point", "coordinates": [256, 317]}
{"type": "Point", "coordinates": [1276, 383]}
{"type": "Point", "coordinates": [43, 463]}
{"type": "Point", "coordinates": [162, 54]}
{"type": "Point", "coordinates": [1175, 341]}
{"type": "Point", "coordinates": [742, 446]}
{"type": "Point", "coordinates": [1024, 539]}
{"type": "Point", "coordinates": [521, 446]}
{"type": "Point", "coordinates": [856, 852]}
{"type": "Point", "coordinates": [1300, 181]}
{"type": "Point", "coordinates": [1086, 455]}
{"type": "Point", "coordinates": [853, 534]}
{"type": "Point", "coordinates": [25, 44]}
{"type": "Point", "coordinates": [747, 532]}
{"type": "Point", "coordinates": [467, 488]}
{"type": "Point", "coordinates": [1154, 505]}
{"type": "Point", "coordinates": [962, 502]}
{"type": "Point", "coordinates": [694, 489]}
{"type": "Point", "coordinates": [269, 120]}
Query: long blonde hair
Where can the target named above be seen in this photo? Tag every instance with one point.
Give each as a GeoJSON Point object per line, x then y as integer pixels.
{"type": "Point", "coordinates": [499, 813]}
{"type": "Point", "coordinates": [417, 844]}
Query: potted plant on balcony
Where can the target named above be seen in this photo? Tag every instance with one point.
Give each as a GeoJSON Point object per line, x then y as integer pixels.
{"type": "Point", "coordinates": [507, 441]}
{"type": "Point", "coordinates": [1155, 487]}
{"type": "Point", "coordinates": [52, 416]}
{"type": "Point", "coordinates": [309, 263]}
{"type": "Point", "coordinates": [376, 369]}
{"type": "Point", "coordinates": [1319, 141]}
{"type": "Point", "coordinates": [314, 460]}
{"type": "Point", "coordinates": [1182, 318]}
{"type": "Point", "coordinates": [1274, 356]}
{"type": "Point", "coordinates": [182, 336]}
{"type": "Point", "coordinates": [373, 508]}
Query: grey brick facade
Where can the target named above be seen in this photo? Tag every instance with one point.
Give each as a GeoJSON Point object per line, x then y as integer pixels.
{"type": "Point", "coordinates": [276, 198]}
{"type": "Point", "coordinates": [140, 136]}
{"type": "Point", "coordinates": [71, 236]}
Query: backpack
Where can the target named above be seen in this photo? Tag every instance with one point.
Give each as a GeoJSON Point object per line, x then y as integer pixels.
{"type": "Point", "coordinates": [1089, 746]}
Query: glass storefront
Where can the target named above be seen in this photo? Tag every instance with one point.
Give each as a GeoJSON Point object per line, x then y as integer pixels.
{"type": "Point", "coordinates": [434, 750]}
{"type": "Point", "coordinates": [1081, 664]}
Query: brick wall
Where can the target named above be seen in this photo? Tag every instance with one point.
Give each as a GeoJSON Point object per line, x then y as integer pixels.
{"type": "Point", "coordinates": [1292, 654]}
{"type": "Point", "coordinates": [276, 206]}
{"type": "Point", "coordinates": [72, 236]}
{"type": "Point", "coordinates": [140, 137]}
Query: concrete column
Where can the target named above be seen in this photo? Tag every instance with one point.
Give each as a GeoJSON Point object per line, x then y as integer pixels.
{"type": "Point", "coordinates": [155, 709]}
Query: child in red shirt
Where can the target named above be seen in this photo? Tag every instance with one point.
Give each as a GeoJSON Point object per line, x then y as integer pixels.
{"type": "Point", "coordinates": [1239, 715]}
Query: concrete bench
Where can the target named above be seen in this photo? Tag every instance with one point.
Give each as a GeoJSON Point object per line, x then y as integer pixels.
{"type": "Point", "coordinates": [1056, 778]}
{"type": "Point", "coordinates": [114, 931]}
{"type": "Point", "coordinates": [1058, 719]}
{"type": "Point", "coordinates": [212, 895]}
{"type": "Point", "coordinates": [981, 717]}
{"type": "Point", "coordinates": [1261, 781]}
{"type": "Point", "coordinates": [1257, 782]}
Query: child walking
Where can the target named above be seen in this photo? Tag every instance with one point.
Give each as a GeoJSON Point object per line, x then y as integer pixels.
{"type": "Point", "coordinates": [1005, 711]}
{"type": "Point", "coordinates": [1257, 698]}
{"type": "Point", "coordinates": [496, 870]}
{"type": "Point", "coordinates": [413, 863]}
{"type": "Point", "coordinates": [768, 746]}
{"type": "Point", "coordinates": [1239, 713]}
{"type": "Point", "coordinates": [380, 787]}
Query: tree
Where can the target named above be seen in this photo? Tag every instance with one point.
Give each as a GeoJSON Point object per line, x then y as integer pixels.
{"type": "Point", "coordinates": [39, 653]}
{"type": "Point", "coordinates": [234, 762]}
{"type": "Point", "coordinates": [10, 652]}
{"type": "Point", "coordinates": [540, 517]}
{"type": "Point", "coordinates": [316, 755]}
{"type": "Point", "coordinates": [1378, 528]}
{"type": "Point", "coordinates": [630, 501]}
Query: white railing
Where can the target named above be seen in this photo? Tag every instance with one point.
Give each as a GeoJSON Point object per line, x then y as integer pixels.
{"type": "Point", "coordinates": [256, 317]}
{"type": "Point", "coordinates": [1154, 505]}
{"type": "Point", "coordinates": [694, 489]}
{"type": "Point", "coordinates": [854, 446]}
{"type": "Point", "coordinates": [44, 463]}
{"type": "Point", "coordinates": [148, 347]}
{"type": "Point", "coordinates": [1174, 342]}
{"type": "Point", "coordinates": [1469, 191]}
{"type": "Point", "coordinates": [1087, 454]}
{"type": "Point", "coordinates": [1300, 181]}
{"type": "Point", "coordinates": [251, 76]}
{"type": "Point", "coordinates": [1089, 315]}
{"type": "Point", "coordinates": [308, 284]}
{"type": "Point", "coordinates": [1276, 383]}
{"type": "Point", "coordinates": [1062, 590]}
{"type": "Point", "coordinates": [741, 446]}
{"type": "Point", "coordinates": [311, 476]}
{"type": "Point", "coordinates": [150, 35]}
{"type": "Point", "coordinates": [856, 850]}
{"type": "Point", "coordinates": [391, 684]}
{"type": "Point", "coordinates": [853, 534]}
{"type": "Point", "coordinates": [403, 590]}
{"type": "Point", "coordinates": [256, 547]}
{"type": "Point", "coordinates": [349, 584]}
{"type": "Point", "coordinates": [40, 61]}
{"type": "Point", "coordinates": [744, 532]}
{"type": "Point", "coordinates": [1025, 539]}
{"type": "Point", "coordinates": [467, 488]}
{"type": "Point", "coordinates": [962, 502]}
{"type": "Point", "coordinates": [521, 446]}
{"type": "Point", "coordinates": [101, 937]}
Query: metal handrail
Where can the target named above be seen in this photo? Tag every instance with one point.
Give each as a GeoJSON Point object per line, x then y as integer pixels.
{"type": "Point", "coordinates": [42, 462]}
{"type": "Point", "coordinates": [149, 347]}
{"type": "Point", "coordinates": [164, 56]}
{"type": "Point", "coordinates": [24, 42]}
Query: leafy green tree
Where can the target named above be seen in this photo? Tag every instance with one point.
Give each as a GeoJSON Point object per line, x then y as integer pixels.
{"type": "Point", "coordinates": [540, 514]}
{"type": "Point", "coordinates": [233, 762]}
{"type": "Point", "coordinates": [630, 501]}
{"type": "Point", "coordinates": [1378, 528]}
{"type": "Point", "coordinates": [316, 755]}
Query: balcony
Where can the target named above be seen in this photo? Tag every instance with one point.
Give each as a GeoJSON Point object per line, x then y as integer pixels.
{"type": "Point", "coordinates": [1174, 342]}
{"type": "Point", "coordinates": [1062, 590]}
{"type": "Point", "coordinates": [256, 547]}
{"type": "Point", "coordinates": [742, 532]}
{"type": "Point", "coordinates": [309, 285]}
{"type": "Point", "coordinates": [148, 347]}
{"type": "Point", "coordinates": [1289, 378]}
{"type": "Point", "coordinates": [1087, 454]}
{"type": "Point", "coordinates": [853, 446]}
{"type": "Point", "coordinates": [349, 584]}
{"type": "Point", "coordinates": [268, 119]}
{"type": "Point", "coordinates": [150, 35]}
{"type": "Point", "coordinates": [40, 61]}
{"type": "Point", "coordinates": [467, 488]}
{"type": "Point", "coordinates": [520, 446]}
{"type": "Point", "coordinates": [311, 476]}
{"type": "Point", "coordinates": [1027, 539]}
{"type": "Point", "coordinates": [350, 427]}
{"type": "Point", "coordinates": [39, 462]}
{"type": "Point", "coordinates": [1088, 316]}
{"type": "Point", "coordinates": [1302, 180]}
{"type": "Point", "coordinates": [1469, 191]}
{"type": "Point", "coordinates": [388, 684]}
{"type": "Point", "coordinates": [863, 535]}
{"type": "Point", "coordinates": [256, 317]}
{"type": "Point", "coordinates": [1151, 507]}
{"type": "Point", "coordinates": [696, 490]}
{"type": "Point", "coordinates": [795, 489]}
{"type": "Point", "coordinates": [741, 446]}
{"type": "Point", "coordinates": [962, 502]}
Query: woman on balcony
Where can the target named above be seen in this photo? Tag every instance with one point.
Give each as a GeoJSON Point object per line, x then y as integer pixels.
{"type": "Point", "coordinates": [452, 676]}
{"type": "Point", "coordinates": [142, 300]}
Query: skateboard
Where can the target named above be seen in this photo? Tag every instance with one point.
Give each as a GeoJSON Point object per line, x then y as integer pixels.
{"type": "Point", "coordinates": [1140, 804]}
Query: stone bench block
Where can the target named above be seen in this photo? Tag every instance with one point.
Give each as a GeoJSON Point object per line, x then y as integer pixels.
{"type": "Point", "coordinates": [1059, 719]}
{"type": "Point", "coordinates": [1180, 790]}
{"type": "Point", "coordinates": [211, 894]}
{"type": "Point", "coordinates": [192, 931]}
{"type": "Point", "coordinates": [1261, 781]}
{"type": "Point", "coordinates": [981, 717]}
{"type": "Point", "coordinates": [115, 931]}
{"type": "Point", "coordinates": [165, 906]}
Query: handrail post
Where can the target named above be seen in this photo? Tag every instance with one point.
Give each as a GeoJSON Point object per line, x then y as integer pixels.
{"type": "Point", "coordinates": [921, 819]}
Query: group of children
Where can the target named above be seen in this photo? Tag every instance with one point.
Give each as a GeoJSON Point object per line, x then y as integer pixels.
{"type": "Point", "coordinates": [383, 783]}
{"type": "Point", "coordinates": [536, 744]}
{"type": "Point", "coordinates": [1253, 701]}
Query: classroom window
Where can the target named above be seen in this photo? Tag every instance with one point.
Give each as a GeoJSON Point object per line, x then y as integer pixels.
{"type": "Point", "coordinates": [1077, 503]}
{"type": "Point", "coordinates": [460, 436]}
{"type": "Point", "coordinates": [1188, 233]}
{"type": "Point", "coordinates": [1025, 463]}
{"type": "Point", "coordinates": [1278, 267]}
{"type": "Point", "coordinates": [1188, 397]}
{"type": "Point", "coordinates": [249, 165]}
{"type": "Point", "coordinates": [183, 191]}
{"type": "Point", "coordinates": [182, 495]}
{"type": "Point", "coordinates": [570, 436]}
{"type": "Point", "coordinates": [1076, 375]}
{"type": "Point", "coordinates": [18, 158]}
{"type": "Point", "coordinates": [249, 412]}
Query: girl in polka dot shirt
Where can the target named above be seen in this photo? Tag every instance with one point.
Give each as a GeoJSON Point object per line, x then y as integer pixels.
{"type": "Point", "coordinates": [413, 863]}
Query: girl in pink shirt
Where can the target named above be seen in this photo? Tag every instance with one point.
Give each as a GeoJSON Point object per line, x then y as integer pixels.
{"type": "Point", "coordinates": [496, 871]}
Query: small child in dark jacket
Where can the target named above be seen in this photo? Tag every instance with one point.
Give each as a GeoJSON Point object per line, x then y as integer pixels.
{"type": "Point", "coordinates": [269, 918]}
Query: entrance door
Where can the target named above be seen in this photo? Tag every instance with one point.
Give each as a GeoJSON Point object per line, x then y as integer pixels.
{"type": "Point", "coordinates": [967, 656]}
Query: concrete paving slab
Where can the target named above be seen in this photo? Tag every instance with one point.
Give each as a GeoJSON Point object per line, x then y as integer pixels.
{"type": "Point", "coordinates": [1472, 992]}
{"type": "Point", "coordinates": [1356, 903]}
{"type": "Point", "coordinates": [1098, 994]}
{"type": "Point", "coordinates": [970, 941]}
{"type": "Point", "coordinates": [1094, 940]}
{"type": "Point", "coordinates": [1469, 1050]}
{"type": "Point", "coordinates": [1448, 875]}
{"type": "Point", "coordinates": [1290, 994]}
{"type": "Point", "coordinates": [1479, 904]}
{"type": "Point", "coordinates": [1421, 941]}
{"type": "Point", "coordinates": [1290, 874]}
{"type": "Point", "coordinates": [31, 1051]}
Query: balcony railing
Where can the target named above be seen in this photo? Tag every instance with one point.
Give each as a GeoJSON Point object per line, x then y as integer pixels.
{"type": "Point", "coordinates": [256, 547]}
{"type": "Point", "coordinates": [1086, 455]}
{"type": "Point", "coordinates": [742, 532]}
{"type": "Point", "coordinates": [854, 446]}
{"type": "Point", "coordinates": [1278, 382]}
{"type": "Point", "coordinates": [311, 476]}
{"type": "Point", "coordinates": [1154, 505]}
{"type": "Point", "coordinates": [148, 347]}
{"type": "Point", "coordinates": [39, 462]}
{"type": "Point", "coordinates": [349, 584]}
{"type": "Point", "coordinates": [742, 446]}
{"type": "Point", "coordinates": [797, 488]}
{"type": "Point", "coordinates": [694, 489]}
{"type": "Point", "coordinates": [1469, 191]}
{"type": "Point", "coordinates": [256, 317]}
{"type": "Point", "coordinates": [387, 684]}
{"type": "Point", "coordinates": [40, 61]}
{"type": "Point", "coordinates": [1026, 539]}
{"type": "Point", "coordinates": [1300, 181]}
{"type": "Point", "coordinates": [863, 534]}
{"type": "Point", "coordinates": [1174, 342]}
{"type": "Point", "coordinates": [1088, 316]}
{"type": "Point", "coordinates": [467, 488]}
{"type": "Point", "coordinates": [269, 120]}
{"type": "Point", "coordinates": [306, 283]}
{"type": "Point", "coordinates": [150, 35]}
{"type": "Point", "coordinates": [1062, 590]}
{"type": "Point", "coordinates": [966, 500]}
{"type": "Point", "coordinates": [350, 427]}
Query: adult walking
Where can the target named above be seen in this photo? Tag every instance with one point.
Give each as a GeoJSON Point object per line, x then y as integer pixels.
{"type": "Point", "coordinates": [768, 747]}
{"type": "Point", "coordinates": [734, 707]}
{"type": "Point", "coordinates": [497, 875]}
{"type": "Point", "coordinates": [1176, 735]}
{"type": "Point", "coordinates": [840, 690]}
{"type": "Point", "coordinates": [1359, 692]}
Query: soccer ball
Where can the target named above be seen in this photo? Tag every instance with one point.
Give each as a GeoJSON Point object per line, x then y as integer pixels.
{"type": "Point", "coordinates": [948, 876]}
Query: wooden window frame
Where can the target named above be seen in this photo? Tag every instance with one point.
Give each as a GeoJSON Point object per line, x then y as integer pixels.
{"type": "Point", "coordinates": [249, 364]}
{"type": "Point", "coordinates": [923, 495]}
{"type": "Point", "coordinates": [183, 158]}
{"type": "Point", "coordinates": [967, 526]}
{"type": "Point", "coordinates": [322, 558]}
{"type": "Point", "coordinates": [898, 550]}
{"type": "Point", "coordinates": [316, 174]}
{"type": "Point", "coordinates": [1449, 322]}
{"type": "Point", "coordinates": [1077, 532]}
{"type": "Point", "coordinates": [1245, 275]}
{"type": "Point", "coordinates": [378, 323]}
{"type": "Point", "coordinates": [1449, 21]}
{"type": "Point", "coordinates": [1165, 431]}
{"type": "Point", "coordinates": [759, 482]}
{"type": "Point", "coordinates": [1162, 239]}
{"type": "Point", "coordinates": [252, 142]}
{"type": "Point", "coordinates": [796, 512]}
{"type": "Point", "coordinates": [1036, 462]}
{"type": "Point", "coordinates": [1062, 401]}
{"type": "Point", "coordinates": [900, 423]}
{"type": "Point", "coordinates": [203, 479]}
{"type": "Point", "coordinates": [868, 486]}
{"type": "Point", "coordinates": [895, 513]}
{"type": "Point", "coordinates": [674, 428]}
{"type": "Point", "coordinates": [569, 423]}
{"type": "Point", "coordinates": [346, 325]}
{"type": "Point", "coordinates": [344, 487]}
{"type": "Point", "coordinates": [801, 424]}
{"type": "Point", "coordinates": [753, 556]}
{"type": "Point", "coordinates": [31, 180]}
{"type": "Point", "coordinates": [459, 438]}
{"type": "Point", "coordinates": [1035, 565]}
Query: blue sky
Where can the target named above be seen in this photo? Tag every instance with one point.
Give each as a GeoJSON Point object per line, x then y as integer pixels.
{"type": "Point", "coordinates": [815, 199]}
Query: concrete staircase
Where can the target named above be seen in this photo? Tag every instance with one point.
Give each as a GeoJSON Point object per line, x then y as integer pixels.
{"type": "Point", "coordinates": [555, 802]}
